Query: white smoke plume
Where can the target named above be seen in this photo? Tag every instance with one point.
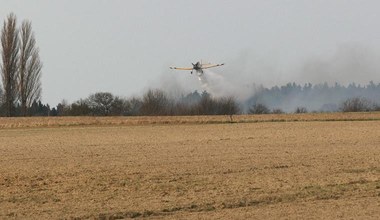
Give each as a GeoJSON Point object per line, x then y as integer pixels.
{"type": "Point", "coordinates": [219, 86]}
{"type": "Point", "coordinates": [242, 76]}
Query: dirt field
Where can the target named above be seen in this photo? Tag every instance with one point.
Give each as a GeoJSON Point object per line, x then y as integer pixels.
{"type": "Point", "coordinates": [279, 167]}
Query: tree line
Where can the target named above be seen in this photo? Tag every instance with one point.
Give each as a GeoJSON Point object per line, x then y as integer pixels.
{"type": "Point", "coordinates": [20, 68]}
{"type": "Point", "coordinates": [158, 103]}
{"type": "Point", "coordinates": [290, 98]}
{"type": "Point", "coordinates": [298, 98]}
{"type": "Point", "coordinates": [152, 103]}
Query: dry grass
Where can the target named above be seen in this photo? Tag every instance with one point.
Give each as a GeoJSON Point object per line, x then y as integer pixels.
{"type": "Point", "coordinates": [29, 122]}
{"type": "Point", "coordinates": [152, 169]}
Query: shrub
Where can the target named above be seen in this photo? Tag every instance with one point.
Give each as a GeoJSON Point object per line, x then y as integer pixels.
{"type": "Point", "coordinates": [259, 109]}
{"type": "Point", "coordinates": [277, 111]}
{"type": "Point", "coordinates": [300, 110]}
{"type": "Point", "coordinates": [155, 102]}
{"type": "Point", "coordinates": [227, 106]}
{"type": "Point", "coordinates": [355, 105]}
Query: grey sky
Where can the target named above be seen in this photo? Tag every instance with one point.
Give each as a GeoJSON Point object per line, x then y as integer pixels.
{"type": "Point", "coordinates": [126, 46]}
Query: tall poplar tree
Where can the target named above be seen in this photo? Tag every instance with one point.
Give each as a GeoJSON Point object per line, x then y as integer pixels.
{"type": "Point", "coordinates": [29, 74]}
{"type": "Point", "coordinates": [9, 65]}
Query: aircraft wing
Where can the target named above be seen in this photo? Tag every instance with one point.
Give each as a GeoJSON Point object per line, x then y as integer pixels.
{"type": "Point", "coordinates": [206, 66]}
{"type": "Point", "coordinates": [181, 68]}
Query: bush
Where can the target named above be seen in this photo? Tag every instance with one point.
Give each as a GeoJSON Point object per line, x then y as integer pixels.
{"type": "Point", "coordinates": [355, 105]}
{"type": "Point", "coordinates": [227, 106]}
{"type": "Point", "coordinates": [80, 107]}
{"type": "Point", "coordinates": [300, 110]}
{"type": "Point", "coordinates": [155, 102]}
{"type": "Point", "coordinates": [259, 109]}
{"type": "Point", "coordinates": [277, 111]}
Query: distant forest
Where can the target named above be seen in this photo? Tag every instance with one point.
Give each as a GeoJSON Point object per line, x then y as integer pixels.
{"type": "Point", "coordinates": [290, 98]}
{"type": "Point", "coordinates": [320, 97]}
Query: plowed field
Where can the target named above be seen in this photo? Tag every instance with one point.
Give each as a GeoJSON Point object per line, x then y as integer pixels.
{"type": "Point", "coordinates": [272, 168]}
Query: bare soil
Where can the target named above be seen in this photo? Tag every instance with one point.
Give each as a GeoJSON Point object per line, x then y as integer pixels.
{"type": "Point", "coordinates": [167, 169]}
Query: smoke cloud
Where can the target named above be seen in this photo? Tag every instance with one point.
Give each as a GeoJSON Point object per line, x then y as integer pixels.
{"type": "Point", "coordinates": [349, 64]}
{"type": "Point", "coordinates": [243, 76]}
{"type": "Point", "coordinates": [220, 86]}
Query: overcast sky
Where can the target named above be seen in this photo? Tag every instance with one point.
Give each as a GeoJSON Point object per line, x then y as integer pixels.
{"type": "Point", "coordinates": [125, 46]}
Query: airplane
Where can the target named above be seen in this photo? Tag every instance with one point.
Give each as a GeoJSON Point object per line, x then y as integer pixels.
{"type": "Point", "coordinates": [198, 67]}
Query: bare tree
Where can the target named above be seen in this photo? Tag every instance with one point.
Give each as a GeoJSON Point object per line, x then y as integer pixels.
{"type": "Point", "coordinates": [10, 50]}
{"type": "Point", "coordinates": [119, 106]}
{"type": "Point", "coordinates": [356, 105]}
{"type": "Point", "coordinates": [259, 109]}
{"type": "Point", "coordinates": [207, 105]}
{"type": "Point", "coordinates": [63, 108]}
{"type": "Point", "coordinates": [101, 103]}
{"type": "Point", "coordinates": [133, 106]}
{"type": "Point", "coordinates": [155, 102]}
{"type": "Point", "coordinates": [227, 106]}
{"type": "Point", "coordinates": [29, 84]}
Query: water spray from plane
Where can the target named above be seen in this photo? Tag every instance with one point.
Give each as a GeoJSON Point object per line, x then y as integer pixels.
{"type": "Point", "coordinates": [214, 83]}
{"type": "Point", "coordinates": [218, 86]}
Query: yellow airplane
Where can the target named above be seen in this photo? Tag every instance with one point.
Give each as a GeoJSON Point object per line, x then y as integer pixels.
{"type": "Point", "coordinates": [198, 67]}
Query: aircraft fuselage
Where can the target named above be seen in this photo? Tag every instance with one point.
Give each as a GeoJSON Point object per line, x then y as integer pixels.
{"type": "Point", "coordinates": [198, 68]}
